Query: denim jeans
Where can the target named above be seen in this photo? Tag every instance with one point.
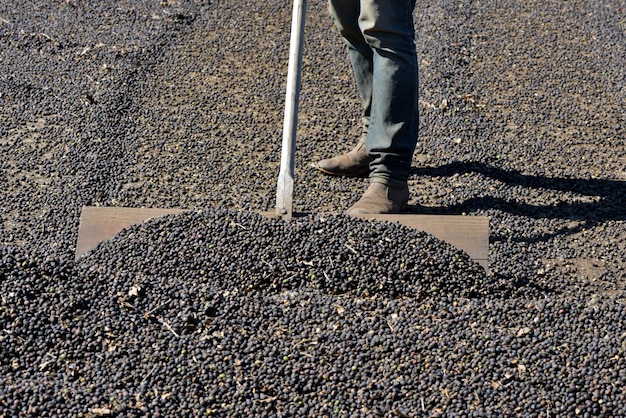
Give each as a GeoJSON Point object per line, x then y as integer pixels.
{"type": "Point", "coordinates": [380, 37]}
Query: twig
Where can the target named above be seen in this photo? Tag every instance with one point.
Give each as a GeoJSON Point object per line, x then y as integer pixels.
{"type": "Point", "coordinates": [45, 36]}
{"type": "Point", "coordinates": [268, 399]}
{"type": "Point", "coordinates": [43, 365]}
{"type": "Point", "coordinates": [240, 226]}
{"type": "Point", "coordinates": [302, 341]}
{"type": "Point", "coordinates": [389, 323]}
{"type": "Point", "coordinates": [148, 375]}
{"type": "Point", "coordinates": [169, 328]}
{"type": "Point", "coordinates": [351, 249]}
{"type": "Point", "coordinates": [150, 312]}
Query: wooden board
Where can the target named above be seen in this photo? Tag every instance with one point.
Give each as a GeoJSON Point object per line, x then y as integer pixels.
{"type": "Point", "coordinates": [98, 224]}
{"type": "Point", "coordinates": [467, 233]}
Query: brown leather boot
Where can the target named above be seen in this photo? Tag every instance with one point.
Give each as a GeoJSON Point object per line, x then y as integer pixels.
{"type": "Point", "coordinates": [380, 198]}
{"type": "Point", "coordinates": [352, 164]}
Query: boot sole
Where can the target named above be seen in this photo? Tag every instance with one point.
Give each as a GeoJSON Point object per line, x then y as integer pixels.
{"type": "Point", "coordinates": [361, 173]}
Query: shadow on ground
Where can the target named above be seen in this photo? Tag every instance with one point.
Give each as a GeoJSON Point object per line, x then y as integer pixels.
{"type": "Point", "coordinates": [609, 203]}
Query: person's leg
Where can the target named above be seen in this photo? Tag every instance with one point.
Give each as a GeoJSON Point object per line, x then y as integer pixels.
{"type": "Point", "coordinates": [387, 26]}
{"type": "Point", "coordinates": [346, 16]}
{"type": "Point", "coordinates": [382, 51]}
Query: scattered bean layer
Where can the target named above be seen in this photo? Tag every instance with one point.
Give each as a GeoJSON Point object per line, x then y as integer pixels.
{"type": "Point", "coordinates": [222, 312]}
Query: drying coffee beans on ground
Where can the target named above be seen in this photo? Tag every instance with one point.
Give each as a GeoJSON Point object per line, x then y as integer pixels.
{"type": "Point", "coordinates": [219, 311]}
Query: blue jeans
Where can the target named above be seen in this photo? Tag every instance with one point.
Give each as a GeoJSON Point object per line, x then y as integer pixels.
{"type": "Point", "coordinates": [380, 37]}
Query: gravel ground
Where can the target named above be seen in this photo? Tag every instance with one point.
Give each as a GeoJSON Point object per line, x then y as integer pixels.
{"type": "Point", "coordinates": [222, 312]}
